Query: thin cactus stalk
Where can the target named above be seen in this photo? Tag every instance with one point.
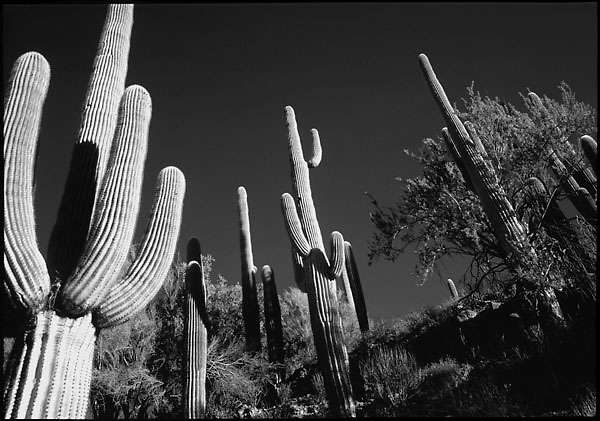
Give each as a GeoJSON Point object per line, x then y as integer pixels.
{"type": "Point", "coordinates": [249, 296]}
{"type": "Point", "coordinates": [356, 287]}
{"type": "Point", "coordinates": [326, 325]}
{"type": "Point", "coordinates": [196, 325]}
{"type": "Point", "coordinates": [49, 372]}
{"type": "Point", "coordinates": [508, 229]}
{"type": "Point", "coordinates": [273, 325]}
{"type": "Point", "coordinates": [345, 283]}
{"type": "Point", "coordinates": [452, 288]}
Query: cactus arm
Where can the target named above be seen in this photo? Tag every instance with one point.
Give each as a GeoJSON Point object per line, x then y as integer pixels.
{"type": "Point", "coordinates": [26, 277]}
{"type": "Point", "coordinates": [590, 150]}
{"type": "Point", "coordinates": [293, 225]}
{"type": "Point", "coordinates": [356, 287]}
{"type": "Point", "coordinates": [337, 254]}
{"type": "Point", "coordinates": [509, 231]}
{"type": "Point", "coordinates": [116, 212]}
{"type": "Point", "coordinates": [317, 152]}
{"type": "Point", "coordinates": [196, 323]}
{"type": "Point", "coordinates": [92, 148]}
{"type": "Point", "coordinates": [301, 184]}
{"type": "Point", "coordinates": [249, 294]}
{"type": "Point", "coordinates": [149, 270]}
{"type": "Point", "coordinates": [452, 288]}
{"type": "Point", "coordinates": [272, 308]}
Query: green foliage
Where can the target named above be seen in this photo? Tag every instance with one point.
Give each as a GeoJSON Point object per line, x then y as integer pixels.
{"type": "Point", "coordinates": [440, 218]}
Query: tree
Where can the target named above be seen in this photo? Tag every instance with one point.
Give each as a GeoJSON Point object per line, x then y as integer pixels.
{"type": "Point", "coordinates": [439, 215]}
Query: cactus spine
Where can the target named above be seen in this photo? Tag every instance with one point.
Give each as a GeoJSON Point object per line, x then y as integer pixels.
{"type": "Point", "coordinates": [452, 288]}
{"type": "Point", "coordinates": [196, 324]}
{"type": "Point", "coordinates": [49, 372]}
{"type": "Point", "coordinates": [249, 296]}
{"type": "Point", "coordinates": [319, 275]}
{"type": "Point", "coordinates": [358, 298]}
{"type": "Point", "coordinates": [272, 315]}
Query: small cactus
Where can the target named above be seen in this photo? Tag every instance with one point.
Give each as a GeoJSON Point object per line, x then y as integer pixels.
{"type": "Point", "coordinates": [196, 325]}
{"type": "Point", "coordinates": [452, 288]}
{"type": "Point", "coordinates": [590, 150]}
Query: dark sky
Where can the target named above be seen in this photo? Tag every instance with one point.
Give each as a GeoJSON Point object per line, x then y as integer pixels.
{"type": "Point", "coordinates": [220, 75]}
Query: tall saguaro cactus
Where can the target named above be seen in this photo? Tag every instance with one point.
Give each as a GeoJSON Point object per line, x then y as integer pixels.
{"type": "Point", "coordinates": [508, 229]}
{"type": "Point", "coordinates": [49, 372]}
{"type": "Point", "coordinates": [319, 274]}
{"type": "Point", "coordinates": [249, 296]}
{"type": "Point", "coordinates": [196, 324]}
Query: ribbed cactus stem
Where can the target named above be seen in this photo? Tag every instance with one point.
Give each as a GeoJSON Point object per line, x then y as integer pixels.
{"type": "Point", "coordinates": [326, 323]}
{"type": "Point", "coordinates": [49, 374]}
{"type": "Point", "coordinates": [27, 283]}
{"type": "Point", "coordinates": [249, 295]}
{"type": "Point", "coordinates": [452, 288]}
{"type": "Point", "coordinates": [94, 140]}
{"type": "Point", "coordinates": [273, 325]}
{"type": "Point", "coordinates": [50, 378]}
{"type": "Point", "coordinates": [328, 336]}
{"type": "Point", "coordinates": [356, 287]}
{"type": "Point", "coordinates": [148, 271]}
{"type": "Point", "coordinates": [455, 155]}
{"type": "Point", "coordinates": [508, 229]}
{"type": "Point", "coordinates": [590, 150]}
{"type": "Point", "coordinates": [196, 324]}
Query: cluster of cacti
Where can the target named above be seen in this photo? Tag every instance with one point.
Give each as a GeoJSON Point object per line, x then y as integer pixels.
{"type": "Point", "coordinates": [196, 325]}
{"type": "Point", "coordinates": [249, 297]}
{"type": "Point", "coordinates": [319, 273]}
{"type": "Point", "coordinates": [49, 372]}
{"type": "Point", "coordinates": [580, 184]}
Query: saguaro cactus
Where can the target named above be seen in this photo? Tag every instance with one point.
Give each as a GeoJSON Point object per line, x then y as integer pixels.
{"type": "Point", "coordinates": [196, 324]}
{"type": "Point", "coordinates": [452, 288]}
{"type": "Point", "coordinates": [358, 297]}
{"type": "Point", "coordinates": [49, 372]}
{"type": "Point", "coordinates": [249, 296]}
{"type": "Point", "coordinates": [508, 229]}
{"type": "Point", "coordinates": [272, 315]}
{"type": "Point", "coordinates": [319, 275]}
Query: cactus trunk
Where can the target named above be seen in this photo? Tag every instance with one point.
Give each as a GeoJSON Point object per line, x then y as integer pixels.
{"type": "Point", "coordinates": [196, 324]}
{"type": "Point", "coordinates": [49, 372]}
{"type": "Point", "coordinates": [249, 295]}
{"type": "Point", "coordinates": [452, 288]}
{"type": "Point", "coordinates": [272, 316]}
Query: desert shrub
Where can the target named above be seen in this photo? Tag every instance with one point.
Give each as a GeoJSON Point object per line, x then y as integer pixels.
{"type": "Point", "coordinates": [390, 374]}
